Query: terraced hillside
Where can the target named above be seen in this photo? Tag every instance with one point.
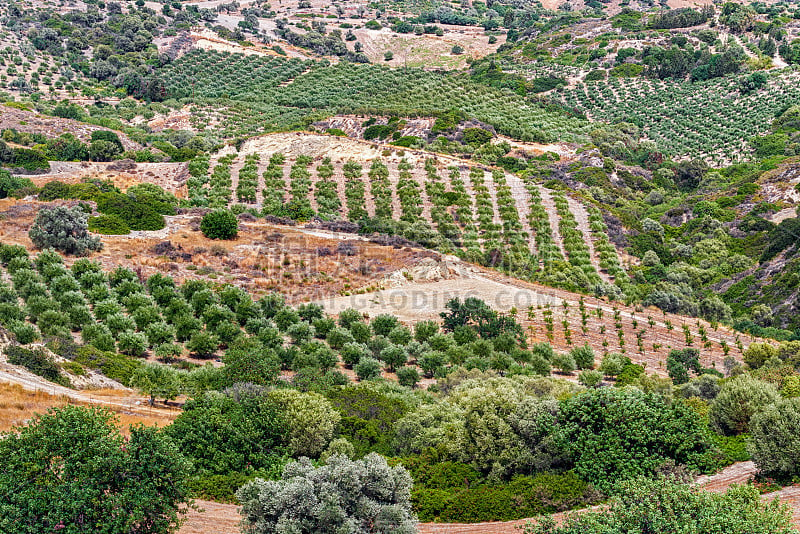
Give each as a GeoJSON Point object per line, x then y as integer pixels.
{"type": "Point", "coordinates": [712, 119]}
{"type": "Point", "coordinates": [477, 211]}
{"type": "Point", "coordinates": [256, 94]}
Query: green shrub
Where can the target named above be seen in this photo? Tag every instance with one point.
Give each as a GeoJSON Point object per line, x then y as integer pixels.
{"type": "Point", "coordinates": [219, 224]}
{"type": "Point", "coordinates": [590, 378]}
{"type": "Point", "coordinates": [202, 344]}
{"type": "Point", "coordinates": [611, 435]}
{"type": "Point", "coordinates": [564, 362]}
{"type": "Point", "coordinates": [116, 366]}
{"type": "Point", "coordinates": [10, 184]}
{"type": "Point", "coordinates": [368, 417]}
{"type": "Point", "coordinates": [24, 333]}
{"type": "Point", "coordinates": [137, 215]}
{"type": "Point", "coordinates": [152, 195]}
{"type": "Point", "coordinates": [92, 473]}
{"type": "Point", "coordinates": [36, 361]}
{"type": "Point", "coordinates": [108, 225]}
{"type": "Point", "coordinates": [249, 361]}
{"type": "Point", "coordinates": [675, 507]}
{"type": "Point", "coordinates": [367, 368]}
{"type": "Point", "coordinates": [738, 400]}
{"type": "Point", "coordinates": [313, 420]}
{"type": "Point", "coordinates": [237, 432]}
{"type": "Point", "coordinates": [219, 488]}
{"type": "Point", "coordinates": [408, 376]}
{"type": "Point", "coordinates": [775, 439]}
{"type": "Point", "coordinates": [523, 496]}
{"type": "Point", "coordinates": [54, 190]}
{"type": "Point", "coordinates": [583, 356]}
{"type": "Point", "coordinates": [132, 343]}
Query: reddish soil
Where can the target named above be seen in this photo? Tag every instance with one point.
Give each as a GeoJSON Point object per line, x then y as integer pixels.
{"type": "Point", "coordinates": [301, 265]}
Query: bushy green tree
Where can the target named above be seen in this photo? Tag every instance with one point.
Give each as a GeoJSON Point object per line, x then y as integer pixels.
{"type": "Point", "coordinates": [590, 378]}
{"type": "Point", "coordinates": [219, 224]}
{"type": "Point", "coordinates": [240, 430]}
{"type": "Point", "coordinates": [247, 361]}
{"type": "Point", "coordinates": [157, 380]}
{"type": "Point", "coordinates": [394, 356]}
{"type": "Point", "coordinates": [738, 400]}
{"type": "Point", "coordinates": [775, 439]}
{"type": "Point", "coordinates": [613, 363]}
{"type": "Point", "coordinates": [491, 445]}
{"type": "Point", "coordinates": [583, 356]}
{"type": "Point", "coordinates": [64, 229]}
{"type": "Point", "coordinates": [367, 368]}
{"type": "Point", "coordinates": [203, 344]}
{"type": "Point", "coordinates": [132, 343]}
{"type": "Point", "coordinates": [612, 435]}
{"type": "Point", "coordinates": [307, 499]}
{"type": "Point", "coordinates": [313, 420]}
{"type": "Point", "coordinates": [70, 470]}
{"type": "Point", "coordinates": [408, 376]}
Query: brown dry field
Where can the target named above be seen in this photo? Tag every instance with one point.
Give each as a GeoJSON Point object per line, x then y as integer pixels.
{"type": "Point", "coordinates": [261, 259]}
{"type": "Point", "coordinates": [18, 406]}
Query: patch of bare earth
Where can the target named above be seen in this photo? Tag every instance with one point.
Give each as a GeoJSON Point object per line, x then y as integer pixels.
{"type": "Point", "coordinates": [302, 265]}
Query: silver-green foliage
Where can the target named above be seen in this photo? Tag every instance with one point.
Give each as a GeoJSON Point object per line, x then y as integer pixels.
{"type": "Point", "coordinates": [775, 439]}
{"type": "Point", "coordinates": [64, 229]}
{"type": "Point", "coordinates": [666, 505]}
{"type": "Point", "coordinates": [344, 496]}
{"type": "Point", "coordinates": [738, 400]}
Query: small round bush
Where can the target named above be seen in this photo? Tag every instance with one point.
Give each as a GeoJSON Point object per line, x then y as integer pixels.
{"type": "Point", "coordinates": [24, 333]}
{"type": "Point", "coordinates": [367, 368]}
{"type": "Point", "coordinates": [132, 343]}
{"type": "Point", "coordinates": [408, 376]}
{"type": "Point", "coordinates": [583, 356]}
{"type": "Point", "coordinates": [613, 363]}
{"type": "Point", "coordinates": [394, 356]}
{"type": "Point", "coordinates": [590, 378]}
{"type": "Point", "coordinates": [564, 362]}
{"type": "Point", "coordinates": [219, 224]}
{"type": "Point", "coordinates": [203, 345]}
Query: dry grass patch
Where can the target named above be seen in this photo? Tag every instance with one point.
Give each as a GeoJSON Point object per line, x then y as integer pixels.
{"type": "Point", "coordinates": [18, 406]}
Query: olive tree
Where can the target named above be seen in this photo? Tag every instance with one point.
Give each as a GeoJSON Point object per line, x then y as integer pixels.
{"type": "Point", "coordinates": [775, 439]}
{"type": "Point", "coordinates": [157, 380]}
{"type": "Point", "coordinates": [65, 229]}
{"type": "Point", "coordinates": [738, 400]}
{"type": "Point", "coordinates": [313, 420]}
{"type": "Point", "coordinates": [376, 498]}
